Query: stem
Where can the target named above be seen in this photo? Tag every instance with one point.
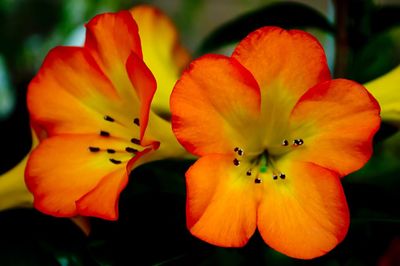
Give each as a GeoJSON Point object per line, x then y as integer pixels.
{"type": "Point", "coordinates": [341, 43]}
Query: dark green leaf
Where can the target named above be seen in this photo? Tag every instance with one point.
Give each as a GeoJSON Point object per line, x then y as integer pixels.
{"type": "Point", "coordinates": [384, 18]}
{"type": "Point", "coordinates": [286, 15]}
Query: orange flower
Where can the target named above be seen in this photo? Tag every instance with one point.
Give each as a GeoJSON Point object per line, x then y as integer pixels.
{"type": "Point", "coordinates": [94, 104]}
{"type": "Point", "coordinates": [274, 134]}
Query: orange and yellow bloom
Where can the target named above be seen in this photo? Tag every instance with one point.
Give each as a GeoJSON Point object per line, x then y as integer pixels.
{"type": "Point", "coordinates": [94, 103]}
{"type": "Point", "coordinates": [274, 134]}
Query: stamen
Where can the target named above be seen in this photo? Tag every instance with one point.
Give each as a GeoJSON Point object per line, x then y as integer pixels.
{"type": "Point", "coordinates": [110, 151]}
{"type": "Point", "coordinates": [104, 133]}
{"type": "Point", "coordinates": [135, 141]}
{"type": "Point", "coordinates": [248, 173]}
{"type": "Point", "coordinates": [131, 150]}
{"type": "Point", "coordinates": [285, 142]}
{"type": "Point", "coordinates": [108, 118]}
{"type": "Point", "coordinates": [282, 176]}
{"type": "Point", "coordinates": [115, 161]}
{"type": "Point", "coordinates": [258, 180]}
{"type": "Point", "coordinates": [275, 177]}
{"type": "Point", "coordinates": [136, 121]}
{"type": "Point", "coordinates": [236, 149]}
{"type": "Point", "coordinates": [240, 152]}
{"type": "Point", "coordinates": [236, 162]}
{"type": "Point", "coordinates": [94, 149]}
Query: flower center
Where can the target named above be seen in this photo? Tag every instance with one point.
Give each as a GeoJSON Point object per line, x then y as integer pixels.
{"type": "Point", "coordinates": [260, 165]}
{"type": "Point", "coordinates": [119, 154]}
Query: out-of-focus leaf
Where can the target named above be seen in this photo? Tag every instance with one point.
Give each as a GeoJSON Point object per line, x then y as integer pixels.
{"type": "Point", "coordinates": [379, 55]}
{"type": "Point", "coordinates": [384, 18]}
{"type": "Point", "coordinates": [285, 15]}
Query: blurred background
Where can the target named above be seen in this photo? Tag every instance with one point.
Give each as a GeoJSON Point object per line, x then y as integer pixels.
{"type": "Point", "coordinates": [362, 42]}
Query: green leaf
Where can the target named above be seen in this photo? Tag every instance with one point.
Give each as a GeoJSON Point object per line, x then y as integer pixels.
{"type": "Point", "coordinates": [285, 15]}
{"type": "Point", "coordinates": [384, 18]}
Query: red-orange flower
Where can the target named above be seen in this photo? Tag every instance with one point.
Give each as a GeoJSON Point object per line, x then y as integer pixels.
{"type": "Point", "coordinates": [274, 134]}
{"type": "Point", "coordinates": [93, 102]}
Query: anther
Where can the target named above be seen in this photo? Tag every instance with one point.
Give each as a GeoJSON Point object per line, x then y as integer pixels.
{"type": "Point", "coordinates": [236, 149]}
{"type": "Point", "coordinates": [236, 162]}
{"type": "Point", "coordinates": [110, 151]}
{"type": "Point", "coordinates": [136, 121]}
{"type": "Point", "coordinates": [248, 173]}
{"type": "Point", "coordinates": [240, 152]}
{"type": "Point", "coordinates": [115, 161]}
{"type": "Point", "coordinates": [285, 142]}
{"type": "Point", "coordinates": [131, 150]}
{"type": "Point", "coordinates": [108, 118]}
{"type": "Point", "coordinates": [282, 176]}
{"type": "Point", "coordinates": [104, 133]}
{"type": "Point", "coordinates": [258, 180]}
{"type": "Point", "coordinates": [275, 177]}
{"type": "Point", "coordinates": [135, 141]}
{"type": "Point", "coordinates": [298, 142]}
{"type": "Point", "coordinates": [94, 149]}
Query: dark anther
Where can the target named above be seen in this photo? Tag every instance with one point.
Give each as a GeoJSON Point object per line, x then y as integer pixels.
{"type": "Point", "coordinates": [248, 173]}
{"type": "Point", "coordinates": [236, 149]}
{"type": "Point", "coordinates": [131, 150]}
{"type": "Point", "coordinates": [298, 142]}
{"type": "Point", "coordinates": [94, 149]}
{"type": "Point", "coordinates": [236, 162]}
{"type": "Point", "coordinates": [240, 152]}
{"type": "Point", "coordinates": [275, 177]}
{"type": "Point", "coordinates": [108, 118]}
{"type": "Point", "coordinates": [110, 151]}
{"type": "Point", "coordinates": [115, 161]}
{"type": "Point", "coordinates": [104, 133]}
{"type": "Point", "coordinates": [135, 141]}
{"type": "Point", "coordinates": [282, 176]}
{"type": "Point", "coordinates": [136, 121]}
{"type": "Point", "coordinates": [257, 180]}
{"type": "Point", "coordinates": [285, 142]}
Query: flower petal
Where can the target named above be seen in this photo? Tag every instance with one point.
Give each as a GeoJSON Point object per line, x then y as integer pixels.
{"type": "Point", "coordinates": [70, 94]}
{"type": "Point", "coordinates": [145, 85]}
{"type": "Point", "coordinates": [386, 91]}
{"type": "Point", "coordinates": [62, 169]}
{"type": "Point", "coordinates": [288, 61]}
{"type": "Point", "coordinates": [162, 52]}
{"type": "Point", "coordinates": [304, 215]}
{"type": "Point", "coordinates": [214, 106]}
{"type": "Point", "coordinates": [221, 205]}
{"type": "Point", "coordinates": [111, 38]}
{"type": "Point", "coordinates": [337, 120]}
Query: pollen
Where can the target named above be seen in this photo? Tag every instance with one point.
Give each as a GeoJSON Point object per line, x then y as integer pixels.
{"type": "Point", "coordinates": [109, 118]}
{"type": "Point", "coordinates": [298, 142]}
{"type": "Point", "coordinates": [114, 161]}
{"type": "Point", "coordinates": [135, 141]}
{"type": "Point", "coordinates": [131, 150]}
{"type": "Point", "coordinates": [104, 133]}
{"type": "Point", "coordinates": [94, 149]}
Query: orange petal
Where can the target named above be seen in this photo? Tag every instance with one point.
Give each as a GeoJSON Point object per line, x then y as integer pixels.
{"type": "Point", "coordinates": [337, 120]}
{"type": "Point", "coordinates": [214, 106]}
{"type": "Point", "coordinates": [70, 94]}
{"type": "Point", "coordinates": [145, 85]}
{"type": "Point", "coordinates": [111, 38]}
{"type": "Point", "coordinates": [304, 215]}
{"type": "Point", "coordinates": [162, 51]}
{"type": "Point", "coordinates": [62, 170]}
{"type": "Point", "coordinates": [221, 205]}
{"type": "Point", "coordinates": [289, 61]}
